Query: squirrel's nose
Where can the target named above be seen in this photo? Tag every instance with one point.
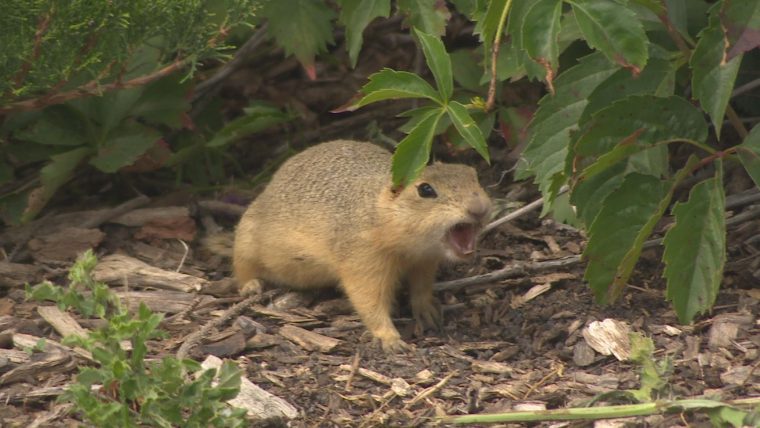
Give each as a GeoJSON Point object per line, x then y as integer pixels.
{"type": "Point", "coordinates": [479, 207]}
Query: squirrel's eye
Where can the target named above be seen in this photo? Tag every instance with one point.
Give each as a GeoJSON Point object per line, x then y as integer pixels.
{"type": "Point", "coordinates": [426, 191]}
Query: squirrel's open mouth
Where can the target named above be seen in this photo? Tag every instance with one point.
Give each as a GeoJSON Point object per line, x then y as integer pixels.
{"type": "Point", "coordinates": [461, 237]}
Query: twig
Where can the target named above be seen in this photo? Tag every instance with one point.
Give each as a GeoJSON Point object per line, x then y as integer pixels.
{"type": "Point", "coordinates": [736, 122]}
{"type": "Point", "coordinates": [42, 28]}
{"type": "Point", "coordinates": [741, 199]}
{"type": "Point", "coordinates": [91, 88]}
{"type": "Point", "coordinates": [352, 373]}
{"type": "Point", "coordinates": [745, 88]}
{"type": "Point", "coordinates": [506, 272]}
{"type": "Point", "coordinates": [495, 55]}
{"type": "Point", "coordinates": [116, 212]}
{"type": "Point", "coordinates": [184, 256]}
{"type": "Point", "coordinates": [193, 338]}
{"type": "Point", "coordinates": [430, 391]}
{"type": "Point", "coordinates": [211, 85]}
{"type": "Point", "coordinates": [518, 212]}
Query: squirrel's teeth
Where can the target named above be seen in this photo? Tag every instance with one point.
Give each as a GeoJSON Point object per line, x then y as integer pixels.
{"type": "Point", "coordinates": [462, 238]}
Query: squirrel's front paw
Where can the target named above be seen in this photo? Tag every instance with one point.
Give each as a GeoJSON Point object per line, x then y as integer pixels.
{"type": "Point", "coordinates": [427, 312]}
{"type": "Point", "coordinates": [391, 341]}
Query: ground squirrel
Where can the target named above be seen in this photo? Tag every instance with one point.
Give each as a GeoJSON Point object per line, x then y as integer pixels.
{"type": "Point", "coordinates": [331, 216]}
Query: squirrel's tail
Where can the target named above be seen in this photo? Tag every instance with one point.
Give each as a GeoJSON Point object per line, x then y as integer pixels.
{"type": "Point", "coordinates": [219, 243]}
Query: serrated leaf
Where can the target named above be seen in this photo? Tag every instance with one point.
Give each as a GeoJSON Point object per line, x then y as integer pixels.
{"type": "Point", "coordinates": [539, 35]}
{"type": "Point", "coordinates": [657, 78]}
{"type": "Point", "coordinates": [588, 195]}
{"type": "Point", "coordinates": [124, 148]}
{"type": "Point", "coordinates": [627, 217]}
{"type": "Point", "coordinates": [749, 154]}
{"type": "Point", "coordinates": [59, 125]}
{"type": "Point", "coordinates": [695, 249]}
{"type": "Point", "coordinates": [389, 84]}
{"type": "Point", "coordinates": [468, 128]}
{"type": "Point", "coordinates": [650, 119]}
{"type": "Point", "coordinates": [355, 15]}
{"type": "Point", "coordinates": [302, 27]}
{"type": "Point", "coordinates": [487, 26]}
{"type": "Point", "coordinates": [714, 76]}
{"type": "Point", "coordinates": [613, 28]}
{"type": "Point", "coordinates": [413, 152]}
{"type": "Point", "coordinates": [556, 116]}
{"type": "Point", "coordinates": [741, 19]}
{"type": "Point", "coordinates": [52, 176]}
{"type": "Point", "coordinates": [438, 61]}
{"type": "Point", "coordinates": [429, 16]}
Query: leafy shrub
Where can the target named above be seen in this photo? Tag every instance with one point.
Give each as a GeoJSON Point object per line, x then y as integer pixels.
{"type": "Point", "coordinates": [608, 124]}
{"type": "Point", "coordinates": [133, 392]}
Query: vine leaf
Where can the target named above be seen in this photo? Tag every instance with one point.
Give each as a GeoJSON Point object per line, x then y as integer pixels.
{"type": "Point", "coordinates": [429, 16]}
{"type": "Point", "coordinates": [612, 28]}
{"type": "Point", "coordinates": [355, 15]}
{"type": "Point", "coordinates": [413, 152]}
{"type": "Point", "coordinates": [302, 27]}
{"type": "Point", "coordinates": [439, 62]}
{"type": "Point", "coordinates": [468, 128]}
{"type": "Point", "coordinates": [539, 35]}
{"type": "Point", "coordinates": [557, 115]}
{"type": "Point", "coordinates": [389, 84]}
{"type": "Point", "coordinates": [627, 217]}
{"type": "Point", "coordinates": [695, 249]}
{"type": "Point", "coordinates": [749, 154]}
{"type": "Point", "coordinates": [714, 76]}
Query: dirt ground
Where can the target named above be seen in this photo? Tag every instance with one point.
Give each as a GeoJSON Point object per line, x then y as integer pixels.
{"type": "Point", "coordinates": [508, 343]}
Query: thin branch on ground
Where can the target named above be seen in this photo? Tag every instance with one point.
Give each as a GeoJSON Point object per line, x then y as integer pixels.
{"type": "Point", "coordinates": [192, 339]}
{"type": "Point", "coordinates": [538, 203]}
{"type": "Point", "coordinates": [116, 211]}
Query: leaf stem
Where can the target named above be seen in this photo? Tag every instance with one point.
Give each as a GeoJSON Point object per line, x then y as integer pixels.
{"type": "Point", "coordinates": [495, 54]}
{"type": "Point", "coordinates": [736, 122]}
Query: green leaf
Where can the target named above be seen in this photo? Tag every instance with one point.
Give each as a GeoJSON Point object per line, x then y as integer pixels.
{"type": "Point", "coordinates": [255, 118]}
{"type": "Point", "coordinates": [59, 125]}
{"type": "Point", "coordinates": [646, 118]}
{"type": "Point", "coordinates": [439, 62]}
{"type": "Point", "coordinates": [613, 28]}
{"type": "Point", "coordinates": [539, 35]}
{"type": "Point", "coordinates": [627, 217]}
{"type": "Point", "coordinates": [466, 69]}
{"type": "Point", "coordinates": [723, 415]}
{"type": "Point", "coordinates": [124, 148]}
{"type": "Point", "coordinates": [557, 115]}
{"type": "Point", "coordinates": [657, 78]}
{"type": "Point", "coordinates": [355, 15]}
{"type": "Point", "coordinates": [302, 27]}
{"type": "Point", "coordinates": [589, 194]}
{"type": "Point", "coordinates": [389, 84]}
{"type": "Point", "coordinates": [695, 249]}
{"type": "Point", "coordinates": [468, 128]}
{"type": "Point", "coordinates": [229, 380]}
{"type": "Point", "coordinates": [741, 19]}
{"type": "Point", "coordinates": [413, 152]}
{"type": "Point", "coordinates": [749, 154]}
{"type": "Point", "coordinates": [487, 26]}
{"type": "Point", "coordinates": [164, 101]}
{"type": "Point", "coordinates": [429, 16]}
{"type": "Point", "coordinates": [651, 378]}
{"type": "Point", "coordinates": [60, 170]}
{"type": "Point", "coordinates": [713, 77]}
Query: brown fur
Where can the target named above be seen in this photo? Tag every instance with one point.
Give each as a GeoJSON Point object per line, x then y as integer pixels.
{"type": "Point", "coordinates": [329, 216]}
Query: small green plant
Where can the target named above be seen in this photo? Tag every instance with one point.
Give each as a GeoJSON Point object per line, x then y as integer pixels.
{"type": "Point", "coordinates": [131, 391]}
{"type": "Point", "coordinates": [649, 399]}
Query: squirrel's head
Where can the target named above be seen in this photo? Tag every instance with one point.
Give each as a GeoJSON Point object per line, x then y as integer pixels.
{"type": "Point", "coordinates": [444, 209]}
